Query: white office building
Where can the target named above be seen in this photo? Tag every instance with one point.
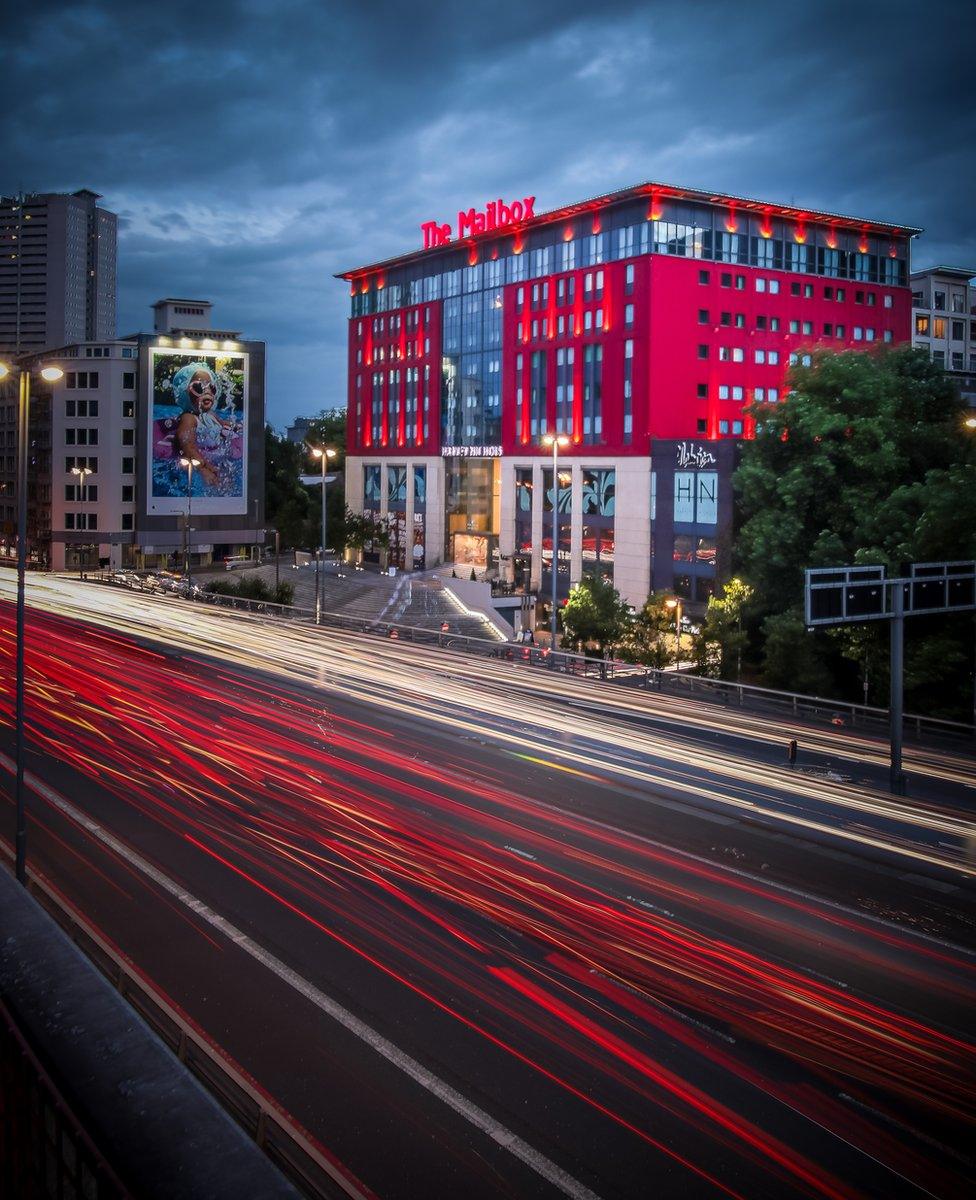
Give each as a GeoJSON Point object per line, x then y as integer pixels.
{"type": "Point", "coordinates": [944, 322]}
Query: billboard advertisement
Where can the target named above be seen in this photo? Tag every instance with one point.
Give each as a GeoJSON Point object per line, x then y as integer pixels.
{"type": "Point", "coordinates": [199, 412]}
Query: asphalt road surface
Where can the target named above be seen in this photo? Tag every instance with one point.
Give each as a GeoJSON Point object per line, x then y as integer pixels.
{"type": "Point", "coordinates": [495, 933]}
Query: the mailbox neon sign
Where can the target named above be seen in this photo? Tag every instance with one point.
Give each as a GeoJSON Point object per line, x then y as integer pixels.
{"type": "Point", "coordinates": [495, 215]}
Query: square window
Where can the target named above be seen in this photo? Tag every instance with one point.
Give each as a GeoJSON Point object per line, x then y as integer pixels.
{"type": "Point", "coordinates": [794, 289]}
{"type": "Point", "coordinates": [726, 318]}
{"type": "Point", "coordinates": [828, 329]}
{"type": "Point", "coordinates": [760, 322]}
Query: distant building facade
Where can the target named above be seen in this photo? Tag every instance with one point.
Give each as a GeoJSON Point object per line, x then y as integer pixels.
{"type": "Point", "coordinates": [640, 326]}
{"type": "Point", "coordinates": [58, 280]}
{"type": "Point", "coordinates": [105, 481]}
{"type": "Point", "coordinates": [944, 322]}
{"type": "Point", "coordinates": [297, 432]}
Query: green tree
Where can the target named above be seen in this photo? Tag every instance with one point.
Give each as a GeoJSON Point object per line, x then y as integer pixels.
{"type": "Point", "coordinates": [866, 462]}
{"type": "Point", "coordinates": [289, 505]}
{"type": "Point", "coordinates": [650, 637]}
{"type": "Point", "coordinates": [329, 429]}
{"type": "Point", "coordinates": [724, 626]}
{"type": "Point", "coordinates": [359, 529]}
{"type": "Point", "coordinates": [594, 613]}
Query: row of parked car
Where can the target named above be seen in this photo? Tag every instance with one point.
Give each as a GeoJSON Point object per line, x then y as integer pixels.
{"type": "Point", "coordinates": [161, 581]}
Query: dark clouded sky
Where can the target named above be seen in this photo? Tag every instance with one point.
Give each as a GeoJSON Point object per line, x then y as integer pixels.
{"type": "Point", "coordinates": [254, 148]}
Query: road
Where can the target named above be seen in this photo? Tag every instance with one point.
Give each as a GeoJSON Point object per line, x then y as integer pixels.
{"type": "Point", "coordinates": [492, 933]}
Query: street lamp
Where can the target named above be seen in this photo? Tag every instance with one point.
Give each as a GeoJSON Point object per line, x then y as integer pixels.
{"type": "Point", "coordinates": [970, 422]}
{"type": "Point", "coordinates": [50, 375]}
{"type": "Point", "coordinates": [189, 464]}
{"type": "Point", "coordinates": [84, 472]}
{"type": "Point", "coordinates": [674, 604]}
{"type": "Point", "coordinates": [555, 441]}
{"type": "Point", "coordinates": [323, 453]}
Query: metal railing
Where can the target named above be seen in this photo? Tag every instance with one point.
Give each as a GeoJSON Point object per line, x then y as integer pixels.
{"type": "Point", "coordinates": [673, 683]}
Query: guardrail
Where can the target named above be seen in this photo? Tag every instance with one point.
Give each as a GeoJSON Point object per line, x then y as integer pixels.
{"type": "Point", "coordinates": [295, 1153]}
{"type": "Point", "coordinates": [674, 683]}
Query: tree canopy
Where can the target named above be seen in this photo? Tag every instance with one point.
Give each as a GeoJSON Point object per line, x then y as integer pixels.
{"type": "Point", "coordinates": [867, 461]}
{"type": "Point", "coordinates": [594, 612]}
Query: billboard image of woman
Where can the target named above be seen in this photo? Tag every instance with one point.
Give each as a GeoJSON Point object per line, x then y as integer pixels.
{"type": "Point", "coordinates": [199, 404]}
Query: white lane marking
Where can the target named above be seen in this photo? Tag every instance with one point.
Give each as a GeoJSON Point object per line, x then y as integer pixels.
{"type": "Point", "coordinates": [481, 1120]}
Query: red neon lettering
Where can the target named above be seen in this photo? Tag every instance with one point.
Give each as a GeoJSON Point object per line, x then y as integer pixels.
{"type": "Point", "coordinates": [516, 210]}
{"type": "Point", "coordinates": [528, 208]}
{"type": "Point", "coordinates": [435, 234]}
{"type": "Point", "coordinates": [496, 215]}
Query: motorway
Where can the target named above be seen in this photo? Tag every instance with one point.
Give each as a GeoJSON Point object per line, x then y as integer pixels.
{"type": "Point", "coordinates": [501, 933]}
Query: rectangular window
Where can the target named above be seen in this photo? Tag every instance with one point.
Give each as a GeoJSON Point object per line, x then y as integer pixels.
{"type": "Point", "coordinates": [127, 522]}
{"type": "Point", "coordinates": [628, 316]}
{"type": "Point", "coordinates": [773, 358]}
{"type": "Point", "coordinates": [128, 437]}
{"type": "Point", "coordinates": [703, 316]}
{"type": "Point", "coordinates": [760, 356]}
{"type": "Point", "coordinates": [760, 284]}
{"type": "Point", "coordinates": [939, 327]}
{"type": "Point", "coordinates": [774, 287]}
{"type": "Point", "coordinates": [592, 394]}
{"type": "Point", "coordinates": [702, 351]}
{"type": "Point", "coordinates": [128, 380]}
{"type": "Point", "coordinates": [725, 279]}
{"type": "Point", "coordinates": [738, 354]}
{"type": "Point", "coordinates": [128, 466]}
{"type": "Point", "coordinates": [704, 276]}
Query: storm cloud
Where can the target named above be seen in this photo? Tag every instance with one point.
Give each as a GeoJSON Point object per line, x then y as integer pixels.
{"type": "Point", "coordinates": [254, 148]}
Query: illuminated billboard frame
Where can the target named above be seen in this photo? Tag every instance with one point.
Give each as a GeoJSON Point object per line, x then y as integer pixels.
{"type": "Point", "coordinates": [198, 410]}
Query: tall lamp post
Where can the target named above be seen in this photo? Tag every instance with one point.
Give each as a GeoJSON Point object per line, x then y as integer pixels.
{"type": "Point", "coordinates": [555, 441]}
{"type": "Point", "coordinates": [50, 375]}
{"type": "Point", "coordinates": [674, 604]}
{"type": "Point", "coordinates": [323, 454]}
{"type": "Point", "coordinates": [188, 464]}
{"type": "Point", "coordinates": [83, 472]}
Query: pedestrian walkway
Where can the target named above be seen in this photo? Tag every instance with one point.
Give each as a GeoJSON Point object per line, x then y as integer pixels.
{"type": "Point", "coordinates": [417, 600]}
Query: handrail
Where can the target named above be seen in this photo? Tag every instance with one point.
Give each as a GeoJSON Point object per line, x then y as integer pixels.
{"type": "Point", "coordinates": [674, 682]}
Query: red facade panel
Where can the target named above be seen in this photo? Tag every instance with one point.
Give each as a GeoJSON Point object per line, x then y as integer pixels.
{"type": "Point", "coordinates": [676, 330]}
{"type": "Point", "coordinates": [393, 342]}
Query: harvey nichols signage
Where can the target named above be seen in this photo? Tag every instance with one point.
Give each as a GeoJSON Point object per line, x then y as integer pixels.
{"type": "Point", "coordinates": [690, 455]}
{"type": "Point", "coordinates": [496, 215]}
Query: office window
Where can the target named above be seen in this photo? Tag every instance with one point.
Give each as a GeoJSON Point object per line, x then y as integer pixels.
{"type": "Point", "coordinates": [725, 279]}
{"type": "Point", "coordinates": [128, 493]}
{"type": "Point", "coordinates": [128, 521]}
{"type": "Point", "coordinates": [888, 336]}
{"type": "Point", "coordinates": [760, 284]}
{"type": "Point", "coordinates": [738, 354]}
{"type": "Point", "coordinates": [760, 356]}
{"type": "Point", "coordinates": [740, 282]}
{"type": "Point", "coordinates": [704, 276]}
{"type": "Point", "coordinates": [703, 316]}
{"type": "Point", "coordinates": [628, 316]}
{"type": "Point", "coordinates": [128, 466]}
{"type": "Point", "coordinates": [774, 287]}
{"type": "Point", "coordinates": [760, 322]}
{"type": "Point", "coordinates": [702, 425]}
{"type": "Point", "coordinates": [940, 301]}
{"type": "Point", "coordinates": [840, 331]}
{"type": "Point", "coordinates": [772, 395]}
{"type": "Point", "coordinates": [629, 279]}
{"type": "Point", "coordinates": [740, 320]}
{"type": "Point", "coordinates": [869, 335]}
{"type": "Point", "coordinates": [772, 357]}
{"type": "Point", "coordinates": [725, 318]}
{"type": "Point", "coordinates": [794, 289]}
{"type": "Point", "coordinates": [723, 391]}
{"type": "Point", "coordinates": [958, 331]}
{"type": "Point", "coordinates": [808, 291]}
{"type": "Point", "coordinates": [828, 329]}
{"type": "Point", "coordinates": [724, 354]}
{"type": "Point", "coordinates": [128, 380]}
{"type": "Point", "coordinates": [703, 351]}
{"type": "Point", "coordinates": [794, 326]}
{"type": "Point", "coordinates": [723, 427]}
{"type": "Point", "coordinates": [737, 393]}
{"type": "Point", "coordinates": [808, 328]}
{"type": "Point", "coordinates": [703, 391]}
{"type": "Point", "coordinates": [128, 408]}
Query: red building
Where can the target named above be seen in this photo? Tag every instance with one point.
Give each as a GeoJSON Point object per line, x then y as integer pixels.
{"type": "Point", "coordinates": [640, 326]}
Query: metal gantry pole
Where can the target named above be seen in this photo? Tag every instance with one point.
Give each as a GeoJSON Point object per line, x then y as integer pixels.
{"type": "Point", "coordinates": [20, 826]}
{"type": "Point", "coordinates": [897, 683]}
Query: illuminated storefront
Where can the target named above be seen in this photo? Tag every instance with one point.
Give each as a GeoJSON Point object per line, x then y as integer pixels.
{"type": "Point", "coordinates": [640, 325]}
